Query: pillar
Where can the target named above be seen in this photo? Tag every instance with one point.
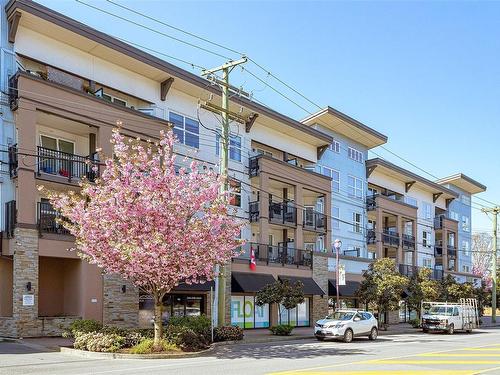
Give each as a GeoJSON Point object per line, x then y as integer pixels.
{"type": "Point", "coordinates": [120, 302]}
{"type": "Point", "coordinates": [445, 249]}
{"type": "Point", "coordinates": [415, 235]}
{"type": "Point", "coordinates": [263, 211]}
{"type": "Point", "coordinates": [378, 232]}
{"type": "Point", "coordinates": [399, 251]}
{"type": "Point", "coordinates": [320, 275]}
{"type": "Point", "coordinates": [328, 212]}
{"type": "Point", "coordinates": [103, 140]}
{"type": "Point", "coordinates": [299, 204]}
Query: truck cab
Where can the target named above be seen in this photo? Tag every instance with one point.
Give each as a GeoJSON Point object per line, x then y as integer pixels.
{"type": "Point", "coordinates": [448, 317]}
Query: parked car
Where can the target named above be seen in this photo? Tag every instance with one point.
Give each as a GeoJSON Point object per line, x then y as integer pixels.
{"type": "Point", "coordinates": [346, 324]}
{"type": "Point", "coordinates": [449, 317]}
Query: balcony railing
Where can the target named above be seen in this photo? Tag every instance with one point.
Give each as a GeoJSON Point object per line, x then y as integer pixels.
{"type": "Point", "coordinates": [253, 210]}
{"type": "Point", "coordinates": [13, 162]}
{"type": "Point", "coordinates": [452, 251]}
{"type": "Point", "coordinates": [13, 92]}
{"type": "Point", "coordinates": [390, 238]}
{"type": "Point", "coordinates": [253, 166]}
{"type": "Point", "coordinates": [47, 220]}
{"type": "Point", "coordinates": [284, 255]}
{"type": "Point", "coordinates": [410, 271]}
{"type": "Point", "coordinates": [408, 242]}
{"type": "Point", "coordinates": [438, 249]}
{"type": "Point", "coordinates": [371, 203]}
{"type": "Point", "coordinates": [282, 213]}
{"type": "Point", "coordinates": [314, 220]}
{"type": "Point", "coordinates": [371, 237]}
{"type": "Point", "coordinates": [67, 165]}
{"type": "Point", "coordinates": [10, 218]}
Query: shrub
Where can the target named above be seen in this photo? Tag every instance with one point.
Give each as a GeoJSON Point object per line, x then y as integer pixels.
{"type": "Point", "coordinates": [99, 342]}
{"type": "Point", "coordinates": [281, 330]}
{"type": "Point", "coordinates": [199, 324]}
{"type": "Point", "coordinates": [415, 323]}
{"type": "Point", "coordinates": [146, 346]}
{"type": "Point", "coordinates": [130, 337]}
{"type": "Point", "coordinates": [228, 333]}
{"type": "Point", "coordinates": [82, 326]}
{"type": "Point", "coordinates": [190, 341]}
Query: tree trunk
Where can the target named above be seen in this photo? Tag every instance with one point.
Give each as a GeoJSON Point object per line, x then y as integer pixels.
{"type": "Point", "coordinates": [158, 318]}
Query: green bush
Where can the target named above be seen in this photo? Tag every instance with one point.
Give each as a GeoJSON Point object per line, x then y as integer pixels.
{"type": "Point", "coordinates": [99, 342]}
{"type": "Point", "coordinates": [146, 346]}
{"type": "Point", "coordinates": [190, 341]}
{"type": "Point", "coordinates": [228, 333]}
{"type": "Point", "coordinates": [281, 330]}
{"type": "Point", "coordinates": [82, 326]}
{"type": "Point", "coordinates": [199, 324]}
{"type": "Point", "coordinates": [130, 337]}
{"type": "Point", "coordinates": [415, 323]}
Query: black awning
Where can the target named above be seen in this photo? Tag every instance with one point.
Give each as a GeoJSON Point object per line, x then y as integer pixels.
{"type": "Point", "coordinates": [310, 286]}
{"type": "Point", "coordinates": [250, 282]}
{"type": "Point", "coordinates": [205, 287]}
{"type": "Point", "coordinates": [348, 290]}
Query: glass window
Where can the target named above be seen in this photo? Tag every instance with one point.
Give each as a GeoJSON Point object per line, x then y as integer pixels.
{"type": "Point", "coordinates": [186, 130]}
{"type": "Point", "coordinates": [355, 155]}
{"type": "Point", "coordinates": [235, 193]}
{"type": "Point", "coordinates": [465, 247]}
{"type": "Point", "coordinates": [234, 147]}
{"type": "Point", "coordinates": [246, 314]}
{"type": "Point", "coordinates": [465, 223]}
{"type": "Point", "coordinates": [336, 217]}
{"type": "Point", "coordinates": [334, 175]}
{"type": "Point", "coordinates": [427, 262]}
{"type": "Point", "coordinates": [335, 146]}
{"type": "Point", "coordinates": [354, 187]}
{"type": "Point", "coordinates": [411, 201]}
{"type": "Point", "coordinates": [356, 222]}
{"type": "Point", "coordinates": [297, 317]}
{"type": "Point", "coordinates": [427, 210]}
{"type": "Point", "coordinates": [426, 238]}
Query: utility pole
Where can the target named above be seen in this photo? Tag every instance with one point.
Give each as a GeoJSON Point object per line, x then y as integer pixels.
{"type": "Point", "coordinates": [495, 211]}
{"type": "Point", "coordinates": [224, 161]}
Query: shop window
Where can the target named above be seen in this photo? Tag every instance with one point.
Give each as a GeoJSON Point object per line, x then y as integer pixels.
{"type": "Point", "coordinates": [297, 317]}
{"type": "Point", "coordinates": [246, 314]}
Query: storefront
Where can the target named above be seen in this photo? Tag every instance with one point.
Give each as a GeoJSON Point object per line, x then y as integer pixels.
{"type": "Point", "coordinates": [347, 294]}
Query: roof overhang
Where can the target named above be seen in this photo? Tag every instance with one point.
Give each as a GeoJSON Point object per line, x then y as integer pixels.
{"type": "Point", "coordinates": [463, 182]}
{"type": "Point", "coordinates": [347, 126]}
{"type": "Point", "coordinates": [409, 178]}
{"type": "Point", "coordinates": [64, 29]}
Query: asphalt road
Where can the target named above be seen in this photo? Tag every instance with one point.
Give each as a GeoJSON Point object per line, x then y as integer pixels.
{"type": "Point", "coordinates": [476, 353]}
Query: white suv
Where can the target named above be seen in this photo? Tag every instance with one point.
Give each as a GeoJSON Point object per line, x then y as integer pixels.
{"type": "Point", "coordinates": [345, 324]}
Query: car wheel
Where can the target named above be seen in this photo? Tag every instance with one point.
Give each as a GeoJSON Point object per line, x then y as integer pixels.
{"type": "Point", "coordinates": [373, 334]}
{"type": "Point", "coordinates": [348, 335]}
{"type": "Point", "coordinates": [451, 329]}
{"type": "Point", "coordinates": [320, 338]}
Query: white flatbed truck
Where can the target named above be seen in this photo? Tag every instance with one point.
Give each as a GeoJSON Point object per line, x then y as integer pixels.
{"type": "Point", "coordinates": [449, 317]}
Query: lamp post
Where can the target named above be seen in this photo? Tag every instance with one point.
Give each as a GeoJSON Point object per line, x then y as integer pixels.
{"type": "Point", "coordinates": [337, 244]}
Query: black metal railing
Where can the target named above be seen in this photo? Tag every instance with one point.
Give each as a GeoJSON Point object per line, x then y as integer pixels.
{"type": "Point", "coordinates": [411, 271]}
{"type": "Point", "coordinates": [371, 237]}
{"type": "Point", "coordinates": [10, 218]}
{"type": "Point", "coordinates": [67, 165]}
{"type": "Point", "coordinates": [281, 254]}
{"type": "Point", "coordinates": [452, 251]}
{"type": "Point", "coordinates": [13, 161]}
{"type": "Point", "coordinates": [13, 92]}
{"type": "Point", "coordinates": [390, 238]}
{"type": "Point", "coordinates": [408, 242]}
{"type": "Point", "coordinates": [438, 249]}
{"type": "Point", "coordinates": [253, 211]}
{"type": "Point", "coordinates": [314, 220]}
{"type": "Point", "coordinates": [48, 219]}
{"type": "Point", "coordinates": [352, 253]}
{"type": "Point", "coordinates": [371, 202]}
{"type": "Point", "coordinates": [283, 213]}
{"type": "Point", "coordinates": [253, 166]}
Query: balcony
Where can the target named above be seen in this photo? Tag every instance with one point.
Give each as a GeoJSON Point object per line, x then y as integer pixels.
{"type": "Point", "coordinates": [47, 220]}
{"type": "Point", "coordinates": [270, 254]}
{"type": "Point", "coordinates": [390, 238]}
{"type": "Point", "coordinates": [253, 210]}
{"type": "Point", "coordinates": [371, 237]}
{"type": "Point", "coordinates": [408, 242]}
{"type": "Point", "coordinates": [452, 251]}
{"type": "Point", "coordinates": [65, 165]}
{"type": "Point", "coordinates": [371, 203]}
{"type": "Point", "coordinates": [13, 162]}
{"type": "Point", "coordinates": [391, 203]}
{"type": "Point", "coordinates": [438, 249]}
{"type": "Point", "coordinates": [10, 218]}
{"type": "Point", "coordinates": [314, 221]}
{"type": "Point", "coordinates": [411, 271]}
{"type": "Point", "coordinates": [282, 213]}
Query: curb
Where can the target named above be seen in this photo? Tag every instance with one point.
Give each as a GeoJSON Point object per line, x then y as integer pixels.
{"type": "Point", "coordinates": [269, 339]}
{"type": "Point", "coordinates": [101, 355]}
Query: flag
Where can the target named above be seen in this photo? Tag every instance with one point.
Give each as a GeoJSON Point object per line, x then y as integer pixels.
{"type": "Point", "coordinates": [253, 265]}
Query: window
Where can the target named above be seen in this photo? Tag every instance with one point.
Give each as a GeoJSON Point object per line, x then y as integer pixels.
{"type": "Point", "coordinates": [353, 251]}
{"type": "Point", "coordinates": [427, 262]}
{"type": "Point", "coordinates": [427, 210]}
{"type": "Point", "coordinates": [372, 191]}
{"type": "Point", "coordinates": [426, 239]}
{"type": "Point", "coordinates": [355, 155]}
{"type": "Point", "coordinates": [335, 176]}
{"type": "Point", "coordinates": [110, 98]}
{"type": "Point", "coordinates": [356, 222]}
{"type": "Point", "coordinates": [335, 146]}
{"type": "Point", "coordinates": [465, 199]}
{"type": "Point", "coordinates": [336, 217]}
{"type": "Point", "coordinates": [234, 147]}
{"type": "Point", "coordinates": [235, 195]}
{"type": "Point", "coordinates": [454, 215]}
{"type": "Point", "coordinates": [465, 223]}
{"type": "Point", "coordinates": [320, 244]}
{"type": "Point", "coordinates": [354, 187]}
{"type": "Point", "coordinates": [57, 163]}
{"type": "Point", "coordinates": [187, 130]}
{"type": "Point", "coordinates": [408, 228]}
{"type": "Point", "coordinates": [411, 201]}
{"type": "Point", "coordinates": [466, 268]}
{"type": "Point", "coordinates": [465, 247]}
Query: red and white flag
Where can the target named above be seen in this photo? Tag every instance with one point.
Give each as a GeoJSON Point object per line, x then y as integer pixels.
{"type": "Point", "coordinates": [253, 265]}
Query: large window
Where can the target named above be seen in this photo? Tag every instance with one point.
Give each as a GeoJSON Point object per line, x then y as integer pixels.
{"type": "Point", "coordinates": [335, 146]}
{"type": "Point", "coordinates": [427, 262]}
{"type": "Point", "coordinates": [186, 129]}
{"type": "Point", "coordinates": [426, 239]}
{"type": "Point", "coordinates": [335, 176]}
{"type": "Point", "coordinates": [427, 210]}
{"type": "Point", "coordinates": [354, 187]}
{"type": "Point", "coordinates": [355, 155]}
{"type": "Point", "coordinates": [336, 217]}
{"type": "Point", "coordinates": [465, 224]}
{"type": "Point", "coordinates": [466, 247]}
{"type": "Point", "coordinates": [245, 313]}
{"type": "Point", "coordinates": [297, 317]}
{"type": "Point", "coordinates": [235, 193]}
{"type": "Point", "coordinates": [357, 222]}
{"type": "Point", "coordinates": [234, 147]}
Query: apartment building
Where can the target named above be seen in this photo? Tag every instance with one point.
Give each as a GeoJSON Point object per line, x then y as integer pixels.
{"type": "Point", "coordinates": [73, 85]}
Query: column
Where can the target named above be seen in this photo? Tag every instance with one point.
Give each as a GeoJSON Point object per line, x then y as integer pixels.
{"type": "Point", "coordinates": [445, 249]}
{"type": "Point", "coordinates": [415, 235]}
{"type": "Point", "coordinates": [120, 302]}
{"type": "Point", "coordinates": [299, 204]}
{"type": "Point", "coordinates": [328, 213]}
{"type": "Point", "coordinates": [378, 232]}
{"type": "Point", "coordinates": [263, 212]}
{"type": "Point", "coordinates": [103, 140]}
{"type": "Point", "coordinates": [399, 251]}
{"type": "Point", "coordinates": [320, 275]}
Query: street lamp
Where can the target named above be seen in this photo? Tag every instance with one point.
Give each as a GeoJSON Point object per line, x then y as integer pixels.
{"type": "Point", "coordinates": [337, 244]}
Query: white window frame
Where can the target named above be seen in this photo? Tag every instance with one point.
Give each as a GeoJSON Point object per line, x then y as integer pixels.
{"type": "Point", "coordinates": [218, 146]}
{"type": "Point", "coordinates": [331, 173]}
{"type": "Point", "coordinates": [183, 129]}
{"type": "Point", "coordinates": [335, 219]}
{"type": "Point", "coordinates": [234, 192]}
{"type": "Point", "coordinates": [465, 223]}
{"type": "Point", "coordinates": [410, 200]}
{"type": "Point", "coordinates": [335, 146]}
{"type": "Point", "coordinates": [104, 95]}
{"type": "Point", "coordinates": [427, 238]}
{"type": "Point", "coordinates": [355, 155]}
{"type": "Point", "coordinates": [357, 226]}
{"type": "Point", "coordinates": [427, 262]}
{"type": "Point", "coordinates": [355, 189]}
{"type": "Point", "coordinates": [426, 210]}
{"type": "Point", "coordinates": [466, 247]}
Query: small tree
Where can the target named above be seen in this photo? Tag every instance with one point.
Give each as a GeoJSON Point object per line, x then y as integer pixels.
{"type": "Point", "coordinates": [452, 291]}
{"type": "Point", "coordinates": [281, 292]}
{"type": "Point", "coordinates": [421, 288]}
{"type": "Point", "coordinates": [383, 285]}
{"type": "Point", "coordinates": [149, 222]}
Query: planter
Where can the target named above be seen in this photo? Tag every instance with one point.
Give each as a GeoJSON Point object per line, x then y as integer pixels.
{"type": "Point", "coordinates": [101, 355]}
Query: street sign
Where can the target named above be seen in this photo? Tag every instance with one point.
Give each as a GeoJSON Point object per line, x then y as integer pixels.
{"type": "Point", "coordinates": [341, 274]}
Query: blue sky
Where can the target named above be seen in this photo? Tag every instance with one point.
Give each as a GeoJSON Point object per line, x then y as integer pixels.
{"type": "Point", "coordinates": [426, 74]}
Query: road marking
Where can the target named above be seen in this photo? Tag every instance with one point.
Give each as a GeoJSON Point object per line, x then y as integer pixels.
{"type": "Point", "coordinates": [425, 362]}
{"type": "Point", "coordinates": [390, 372]}
{"type": "Point", "coordinates": [459, 355]}
{"type": "Point", "coordinates": [480, 349]}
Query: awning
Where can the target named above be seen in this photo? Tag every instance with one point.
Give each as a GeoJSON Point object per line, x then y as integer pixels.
{"type": "Point", "coordinates": [205, 287]}
{"type": "Point", "coordinates": [348, 290]}
{"type": "Point", "coordinates": [310, 286]}
{"type": "Point", "coordinates": [250, 282]}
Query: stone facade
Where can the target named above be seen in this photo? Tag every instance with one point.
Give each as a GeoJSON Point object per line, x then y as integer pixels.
{"type": "Point", "coordinates": [320, 275]}
{"type": "Point", "coordinates": [54, 326]}
{"type": "Point", "coordinates": [120, 302]}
